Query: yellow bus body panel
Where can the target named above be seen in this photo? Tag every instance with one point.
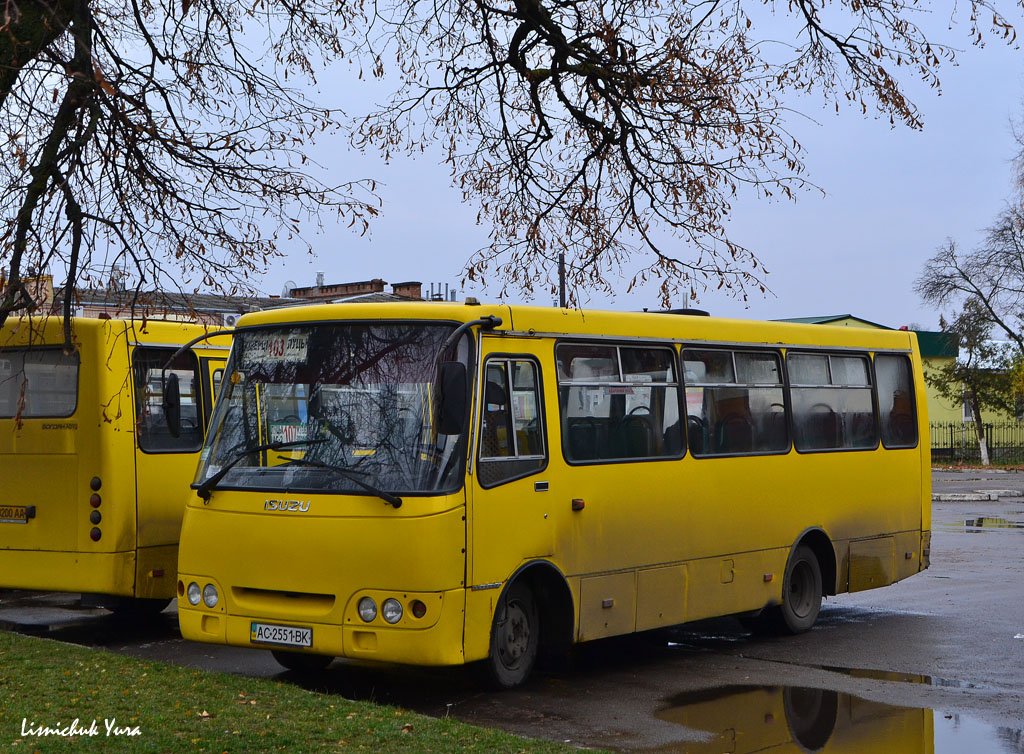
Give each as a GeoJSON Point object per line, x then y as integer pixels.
{"type": "Point", "coordinates": [414, 552]}
{"type": "Point", "coordinates": [49, 463]}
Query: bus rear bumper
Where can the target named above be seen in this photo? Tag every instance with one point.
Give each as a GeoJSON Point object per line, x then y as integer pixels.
{"type": "Point", "coordinates": [50, 571]}
{"type": "Point", "coordinates": [438, 644]}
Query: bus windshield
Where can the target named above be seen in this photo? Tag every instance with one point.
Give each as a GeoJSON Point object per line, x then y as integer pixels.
{"type": "Point", "coordinates": [339, 407]}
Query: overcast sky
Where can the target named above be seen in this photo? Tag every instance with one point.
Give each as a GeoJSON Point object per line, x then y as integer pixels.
{"type": "Point", "coordinates": [892, 196]}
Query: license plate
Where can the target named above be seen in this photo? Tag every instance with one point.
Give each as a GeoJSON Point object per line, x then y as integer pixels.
{"type": "Point", "coordinates": [16, 514]}
{"type": "Point", "coordinates": [286, 636]}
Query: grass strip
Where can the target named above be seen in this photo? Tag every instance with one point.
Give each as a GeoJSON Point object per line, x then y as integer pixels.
{"type": "Point", "coordinates": [158, 707]}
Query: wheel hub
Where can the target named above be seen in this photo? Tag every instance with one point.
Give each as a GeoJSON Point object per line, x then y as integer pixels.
{"type": "Point", "coordinates": [515, 636]}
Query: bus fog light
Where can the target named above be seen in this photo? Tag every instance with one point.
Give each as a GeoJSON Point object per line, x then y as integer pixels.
{"type": "Point", "coordinates": [194, 594]}
{"type": "Point", "coordinates": [209, 595]}
{"type": "Point", "coordinates": [418, 608]}
{"type": "Point", "coordinates": [391, 610]}
{"type": "Point", "coordinates": [367, 609]}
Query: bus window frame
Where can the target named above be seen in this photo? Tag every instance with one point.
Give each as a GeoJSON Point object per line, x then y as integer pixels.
{"type": "Point", "coordinates": [872, 388]}
{"type": "Point", "coordinates": [787, 404]}
{"type": "Point", "coordinates": [78, 380]}
{"type": "Point", "coordinates": [208, 367]}
{"type": "Point", "coordinates": [670, 345]}
{"type": "Point", "coordinates": [479, 458]}
{"type": "Point", "coordinates": [461, 451]}
{"type": "Point", "coordinates": [197, 385]}
{"type": "Point", "coordinates": [906, 356]}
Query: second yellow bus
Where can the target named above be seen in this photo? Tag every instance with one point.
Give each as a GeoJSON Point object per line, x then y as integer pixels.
{"type": "Point", "coordinates": [438, 484]}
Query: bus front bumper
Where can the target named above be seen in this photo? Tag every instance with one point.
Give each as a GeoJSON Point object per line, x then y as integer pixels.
{"type": "Point", "coordinates": [438, 644]}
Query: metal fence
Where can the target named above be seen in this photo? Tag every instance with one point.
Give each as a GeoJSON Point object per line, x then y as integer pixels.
{"type": "Point", "coordinates": [957, 442]}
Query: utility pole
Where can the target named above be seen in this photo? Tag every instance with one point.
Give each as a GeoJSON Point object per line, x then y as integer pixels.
{"type": "Point", "coordinates": [561, 279]}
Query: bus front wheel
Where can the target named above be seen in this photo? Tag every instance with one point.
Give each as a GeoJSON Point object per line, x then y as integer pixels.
{"type": "Point", "coordinates": [801, 592]}
{"type": "Point", "coordinates": [514, 639]}
{"type": "Point", "coordinates": [301, 663]}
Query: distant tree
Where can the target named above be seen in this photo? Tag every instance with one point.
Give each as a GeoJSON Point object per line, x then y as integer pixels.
{"type": "Point", "coordinates": [161, 135]}
{"type": "Point", "coordinates": [983, 375]}
{"type": "Point", "coordinates": [991, 276]}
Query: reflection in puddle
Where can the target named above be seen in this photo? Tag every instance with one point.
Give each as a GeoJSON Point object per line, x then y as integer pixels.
{"type": "Point", "coordinates": [991, 522]}
{"type": "Point", "coordinates": [741, 719]}
{"type": "Point", "coordinates": [898, 677]}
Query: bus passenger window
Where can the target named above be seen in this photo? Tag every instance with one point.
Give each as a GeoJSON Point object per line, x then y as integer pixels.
{"type": "Point", "coordinates": [734, 402]}
{"type": "Point", "coordinates": [154, 436]}
{"type": "Point", "coordinates": [618, 402]}
{"type": "Point", "coordinates": [896, 408]}
{"type": "Point", "coordinates": [833, 406]}
{"type": "Point", "coordinates": [38, 382]}
{"type": "Point", "coordinates": [511, 423]}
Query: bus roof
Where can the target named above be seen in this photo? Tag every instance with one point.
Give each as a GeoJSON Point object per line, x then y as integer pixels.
{"type": "Point", "coordinates": [560, 322]}
{"type": "Point", "coordinates": [49, 330]}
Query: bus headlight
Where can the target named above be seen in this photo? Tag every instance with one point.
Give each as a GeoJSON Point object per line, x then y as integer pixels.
{"type": "Point", "coordinates": [210, 595]}
{"type": "Point", "coordinates": [367, 609]}
{"type": "Point", "coordinates": [391, 610]}
{"type": "Point", "coordinates": [194, 594]}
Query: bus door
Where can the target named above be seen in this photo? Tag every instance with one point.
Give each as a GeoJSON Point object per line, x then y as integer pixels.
{"type": "Point", "coordinates": [511, 521]}
{"type": "Point", "coordinates": [212, 374]}
{"type": "Point", "coordinates": [160, 454]}
{"type": "Point", "coordinates": [39, 459]}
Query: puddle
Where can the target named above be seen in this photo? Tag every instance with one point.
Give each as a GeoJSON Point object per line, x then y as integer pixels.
{"type": "Point", "coordinates": [992, 522]}
{"type": "Point", "coordinates": [983, 523]}
{"type": "Point", "coordinates": [788, 719]}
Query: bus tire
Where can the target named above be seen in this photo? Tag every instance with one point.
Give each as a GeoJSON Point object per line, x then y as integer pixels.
{"type": "Point", "coordinates": [300, 662]}
{"type": "Point", "coordinates": [514, 639]}
{"type": "Point", "coordinates": [801, 592]}
{"type": "Point", "coordinates": [810, 715]}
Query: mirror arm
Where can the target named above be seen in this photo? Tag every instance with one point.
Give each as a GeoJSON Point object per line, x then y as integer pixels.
{"type": "Point", "coordinates": [180, 351]}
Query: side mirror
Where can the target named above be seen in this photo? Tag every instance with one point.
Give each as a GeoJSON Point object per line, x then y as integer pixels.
{"type": "Point", "coordinates": [451, 415]}
{"type": "Point", "coordinates": [172, 404]}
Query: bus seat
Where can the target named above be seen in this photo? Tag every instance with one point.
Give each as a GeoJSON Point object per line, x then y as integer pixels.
{"type": "Point", "coordinates": [775, 433]}
{"type": "Point", "coordinates": [634, 437]}
{"type": "Point", "coordinates": [901, 428]}
{"type": "Point", "coordinates": [582, 436]}
{"type": "Point", "coordinates": [695, 434]}
{"type": "Point", "coordinates": [824, 430]}
{"type": "Point", "coordinates": [673, 440]}
{"type": "Point", "coordinates": [494, 438]}
{"type": "Point", "coordinates": [734, 434]}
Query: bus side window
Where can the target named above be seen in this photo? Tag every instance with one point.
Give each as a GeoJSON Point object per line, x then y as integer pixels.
{"type": "Point", "coordinates": [618, 402]}
{"type": "Point", "coordinates": [38, 382]}
{"type": "Point", "coordinates": [154, 436]}
{"type": "Point", "coordinates": [896, 406]}
{"type": "Point", "coordinates": [833, 406]}
{"type": "Point", "coordinates": [511, 422]}
{"type": "Point", "coordinates": [735, 402]}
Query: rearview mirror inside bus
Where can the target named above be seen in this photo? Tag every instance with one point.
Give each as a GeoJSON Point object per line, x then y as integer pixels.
{"type": "Point", "coordinates": [452, 404]}
{"type": "Point", "coordinates": [172, 404]}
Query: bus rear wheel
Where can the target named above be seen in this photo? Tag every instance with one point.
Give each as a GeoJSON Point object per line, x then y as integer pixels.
{"type": "Point", "coordinates": [514, 639]}
{"type": "Point", "coordinates": [301, 663]}
{"type": "Point", "coordinates": [801, 592]}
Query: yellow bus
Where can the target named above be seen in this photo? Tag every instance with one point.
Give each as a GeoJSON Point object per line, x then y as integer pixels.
{"type": "Point", "coordinates": [93, 477]}
{"type": "Point", "coordinates": [435, 484]}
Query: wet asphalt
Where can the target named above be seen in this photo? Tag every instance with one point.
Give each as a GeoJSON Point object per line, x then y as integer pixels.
{"type": "Point", "coordinates": [950, 639]}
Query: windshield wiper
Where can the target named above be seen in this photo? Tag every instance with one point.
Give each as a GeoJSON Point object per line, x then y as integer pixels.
{"type": "Point", "coordinates": [349, 474]}
{"type": "Point", "coordinates": [203, 490]}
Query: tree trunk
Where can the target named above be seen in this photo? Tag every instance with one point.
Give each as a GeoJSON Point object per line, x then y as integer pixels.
{"type": "Point", "coordinates": [979, 428]}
